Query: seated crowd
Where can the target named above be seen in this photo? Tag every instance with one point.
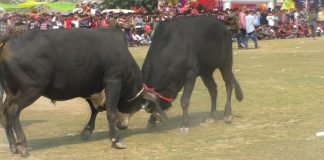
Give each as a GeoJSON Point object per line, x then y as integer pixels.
{"type": "Point", "coordinates": [139, 26]}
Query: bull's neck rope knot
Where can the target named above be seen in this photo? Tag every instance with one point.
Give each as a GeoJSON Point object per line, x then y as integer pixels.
{"type": "Point", "coordinates": [152, 90]}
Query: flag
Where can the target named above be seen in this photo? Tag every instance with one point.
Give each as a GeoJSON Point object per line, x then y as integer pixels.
{"type": "Point", "coordinates": [288, 5]}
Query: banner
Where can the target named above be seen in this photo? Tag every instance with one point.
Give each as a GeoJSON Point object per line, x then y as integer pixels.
{"type": "Point", "coordinates": [29, 4]}
{"type": "Point", "coordinates": [288, 5]}
{"type": "Point", "coordinates": [11, 6]}
{"type": "Point", "coordinates": [61, 6]}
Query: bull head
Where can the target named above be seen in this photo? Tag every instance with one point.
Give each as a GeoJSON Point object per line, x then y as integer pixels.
{"type": "Point", "coordinates": [152, 105]}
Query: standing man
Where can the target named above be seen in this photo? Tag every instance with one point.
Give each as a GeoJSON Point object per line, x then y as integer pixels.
{"type": "Point", "coordinates": [250, 30]}
{"type": "Point", "coordinates": [241, 32]}
{"type": "Point", "coordinates": [312, 19]}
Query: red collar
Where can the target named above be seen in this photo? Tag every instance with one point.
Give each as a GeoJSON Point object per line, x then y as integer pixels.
{"type": "Point", "coordinates": [152, 90]}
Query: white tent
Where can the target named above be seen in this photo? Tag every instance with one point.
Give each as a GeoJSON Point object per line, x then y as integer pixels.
{"type": "Point", "coordinates": [117, 11]}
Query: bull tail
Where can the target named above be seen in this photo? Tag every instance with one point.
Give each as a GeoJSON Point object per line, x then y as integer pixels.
{"type": "Point", "coordinates": [237, 88]}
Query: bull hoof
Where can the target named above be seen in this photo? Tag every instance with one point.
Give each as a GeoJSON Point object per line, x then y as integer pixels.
{"type": "Point", "coordinates": [13, 149]}
{"type": "Point", "coordinates": [184, 129]}
{"type": "Point", "coordinates": [228, 119]}
{"type": "Point", "coordinates": [120, 126]}
{"type": "Point", "coordinates": [22, 150]}
{"type": "Point", "coordinates": [85, 134]}
{"type": "Point", "coordinates": [118, 145]}
{"type": "Point", "coordinates": [151, 126]}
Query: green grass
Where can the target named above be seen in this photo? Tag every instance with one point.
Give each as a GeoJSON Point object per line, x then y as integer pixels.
{"type": "Point", "coordinates": [283, 84]}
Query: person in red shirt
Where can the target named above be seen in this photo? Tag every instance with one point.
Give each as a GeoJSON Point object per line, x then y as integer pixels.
{"type": "Point", "coordinates": [105, 22]}
{"type": "Point", "coordinates": [147, 28]}
{"type": "Point", "coordinates": [68, 21]}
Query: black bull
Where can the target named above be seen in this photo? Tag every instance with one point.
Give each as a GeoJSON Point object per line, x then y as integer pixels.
{"type": "Point", "coordinates": [65, 64]}
{"type": "Point", "coordinates": [182, 49]}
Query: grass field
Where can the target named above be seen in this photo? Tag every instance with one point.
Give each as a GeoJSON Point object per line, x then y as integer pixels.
{"type": "Point", "coordinates": [283, 85]}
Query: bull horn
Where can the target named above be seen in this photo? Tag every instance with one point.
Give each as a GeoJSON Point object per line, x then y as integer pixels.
{"type": "Point", "coordinates": [153, 98]}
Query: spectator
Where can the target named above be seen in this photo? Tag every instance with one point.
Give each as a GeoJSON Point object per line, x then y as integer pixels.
{"type": "Point", "coordinates": [270, 19]}
{"type": "Point", "coordinates": [257, 18]}
{"type": "Point", "coordinates": [319, 30]}
{"type": "Point", "coordinates": [68, 21]}
{"type": "Point", "coordinates": [146, 40]}
{"type": "Point", "coordinates": [147, 28]}
{"type": "Point", "coordinates": [313, 22]}
{"type": "Point", "coordinates": [139, 23]}
{"type": "Point", "coordinates": [250, 30]}
{"type": "Point", "coordinates": [282, 17]}
{"type": "Point", "coordinates": [57, 21]}
{"type": "Point", "coordinates": [242, 32]}
{"type": "Point", "coordinates": [263, 20]}
{"type": "Point", "coordinates": [137, 38]}
{"type": "Point", "coordinates": [44, 25]}
{"type": "Point", "coordinates": [296, 17]}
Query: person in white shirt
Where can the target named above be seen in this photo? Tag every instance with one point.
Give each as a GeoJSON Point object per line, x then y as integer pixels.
{"type": "Point", "coordinates": [296, 17]}
{"type": "Point", "coordinates": [250, 30]}
{"type": "Point", "coordinates": [271, 19]}
{"type": "Point", "coordinates": [56, 21]}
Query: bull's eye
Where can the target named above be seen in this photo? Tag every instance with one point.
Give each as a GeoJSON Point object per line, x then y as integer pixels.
{"type": "Point", "coordinates": [148, 109]}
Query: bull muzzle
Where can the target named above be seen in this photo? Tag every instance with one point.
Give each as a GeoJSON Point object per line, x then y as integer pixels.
{"type": "Point", "coordinates": [152, 106]}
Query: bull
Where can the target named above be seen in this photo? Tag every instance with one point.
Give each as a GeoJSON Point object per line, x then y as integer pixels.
{"type": "Point", "coordinates": [65, 64]}
{"type": "Point", "coordinates": [183, 49]}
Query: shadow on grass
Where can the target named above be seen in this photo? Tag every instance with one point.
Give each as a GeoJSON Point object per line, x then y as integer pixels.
{"type": "Point", "coordinates": [26, 123]}
{"type": "Point", "coordinates": [173, 123]}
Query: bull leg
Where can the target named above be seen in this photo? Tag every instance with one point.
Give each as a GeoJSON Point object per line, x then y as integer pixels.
{"type": "Point", "coordinates": [151, 122]}
{"type": "Point", "coordinates": [114, 88]}
{"type": "Point", "coordinates": [13, 109]}
{"type": "Point", "coordinates": [7, 124]}
{"type": "Point", "coordinates": [88, 129]}
{"type": "Point", "coordinates": [228, 79]}
{"type": "Point", "coordinates": [185, 100]}
{"type": "Point", "coordinates": [211, 85]}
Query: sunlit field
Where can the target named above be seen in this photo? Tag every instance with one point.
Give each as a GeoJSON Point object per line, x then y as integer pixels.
{"type": "Point", "coordinates": [282, 110]}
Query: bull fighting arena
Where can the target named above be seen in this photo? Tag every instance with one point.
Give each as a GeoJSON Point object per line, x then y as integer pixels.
{"type": "Point", "coordinates": [80, 81]}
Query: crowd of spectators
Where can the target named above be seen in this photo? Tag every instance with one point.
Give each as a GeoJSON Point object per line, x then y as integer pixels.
{"type": "Point", "coordinates": [139, 25]}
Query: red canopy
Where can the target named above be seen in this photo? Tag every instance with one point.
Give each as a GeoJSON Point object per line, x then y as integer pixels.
{"type": "Point", "coordinates": [208, 4]}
